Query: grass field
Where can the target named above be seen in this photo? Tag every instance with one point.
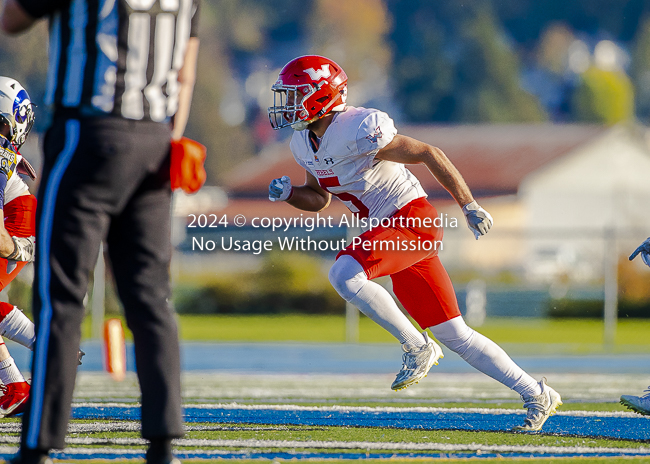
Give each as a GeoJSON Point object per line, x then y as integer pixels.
{"type": "Point", "coordinates": [329, 418]}
{"type": "Point", "coordinates": [565, 335]}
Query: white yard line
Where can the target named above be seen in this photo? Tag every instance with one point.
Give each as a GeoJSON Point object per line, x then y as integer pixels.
{"type": "Point", "coordinates": [437, 387]}
{"type": "Point", "coordinates": [315, 444]}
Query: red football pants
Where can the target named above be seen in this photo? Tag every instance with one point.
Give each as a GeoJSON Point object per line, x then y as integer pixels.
{"type": "Point", "coordinates": [407, 250]}
{"type": "Point", "coordinates": [20, 221]}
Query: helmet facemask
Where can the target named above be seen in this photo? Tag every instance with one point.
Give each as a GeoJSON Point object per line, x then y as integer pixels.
{"type": "Point", "coordinates": [300, 105]}
{"type": "Point", "coordinates": [7, 126]}
{"type": "Point", "coordinates": [24, 117]}
{"type": "Point", "coordinates": [288, 106]}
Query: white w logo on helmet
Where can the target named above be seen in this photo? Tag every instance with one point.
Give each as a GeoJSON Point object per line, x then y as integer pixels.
{"type": "Point", "coordinates": [318, 74]}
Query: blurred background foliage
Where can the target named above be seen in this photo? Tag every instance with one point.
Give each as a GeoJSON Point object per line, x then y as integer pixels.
{"type": "Point", "coordinates": [444, 62]}
{"type": "Point", "coordinates": [286, 282]}
{"type": "Point", "coordinates": [479, 61]}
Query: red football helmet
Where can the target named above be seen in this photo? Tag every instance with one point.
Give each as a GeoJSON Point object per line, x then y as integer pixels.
{"type": "Point", "coordinates": [307, 88]}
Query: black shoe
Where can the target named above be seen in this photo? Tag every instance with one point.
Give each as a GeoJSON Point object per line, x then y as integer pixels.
{"type": "Point", "coordinates": [31, 457]}
{"type": "Point", "coordinates": [173, 460]}
{"type": "Point", "coordinates": [160, 452]}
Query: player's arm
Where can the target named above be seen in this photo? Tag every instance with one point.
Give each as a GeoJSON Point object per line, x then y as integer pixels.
{"type": "Point", "coordinates": [307, 197]}
{"type": "Point", "coordinates": [14, 18]}
{"type": "Point", "coordinates": [6, 243]}
{"type": "Point", "coordinates": [16, 248]}
{"type": "Point", "coordinates": [186, 79]}
{"type": "Point", "coordinates": [406, 150]}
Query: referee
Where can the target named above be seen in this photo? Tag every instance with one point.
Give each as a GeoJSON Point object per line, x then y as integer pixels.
{"type": "Point", "coordinates": [120, 80]}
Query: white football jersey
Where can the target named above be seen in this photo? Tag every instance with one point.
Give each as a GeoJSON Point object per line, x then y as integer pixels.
{"type": "Point", "coordinates": [345, 163]}
{"type": "Point", "coordinates": [15, 187]}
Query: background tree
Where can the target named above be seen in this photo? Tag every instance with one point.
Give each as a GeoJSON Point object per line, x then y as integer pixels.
{"type": "Point", "coordinates": [604, 97]}
{"type": "Point", "coordinates": [640, 71]}
{"type": "Point", "coordinates": [488, 76]}
{"type": "Point", "coordinates": [353, 33]}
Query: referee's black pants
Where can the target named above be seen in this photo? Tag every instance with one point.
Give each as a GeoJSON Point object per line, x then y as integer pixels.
{"type": "Point", "coordinates": [103, 179]}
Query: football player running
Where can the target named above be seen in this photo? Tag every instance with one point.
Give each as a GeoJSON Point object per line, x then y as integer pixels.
{"type": "Point", "coordinates": [17, 230]}
{"type": "Point", "coordinates": [640, 404]}
{"type": "Point", "coordinates": [357, 155]}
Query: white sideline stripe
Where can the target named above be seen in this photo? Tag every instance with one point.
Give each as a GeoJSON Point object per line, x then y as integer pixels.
{"type": "Point", "coordinates": [293, 407]}
{"type": "Point", "coordinates": [134, 426]}
{"type": "Point", "coordinates": [309, 444]}
{"type": "Point", "coordinates": [106, 405]}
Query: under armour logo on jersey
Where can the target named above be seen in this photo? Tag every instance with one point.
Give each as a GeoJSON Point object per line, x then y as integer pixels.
{"type": "Point", "coordinates": [318, 74]}
{"type": "Point", "coordinates": [377, 135]}
{"type": "Point", "coordinates": [328, 160]}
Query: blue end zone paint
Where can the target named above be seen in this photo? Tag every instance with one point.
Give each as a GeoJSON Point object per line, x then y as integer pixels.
{"type": "Point", "coordinates": [628, 428]}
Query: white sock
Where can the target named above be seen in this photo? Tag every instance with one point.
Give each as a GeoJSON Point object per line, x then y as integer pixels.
{"type": "Point", "coordinates": [350, 281]}
{"type": "Point", "coordinates": [485, 355]}
{"type": "Point", "coordinates": [17, 327]}
{"type": "Point", "coordinates": [9, 373]}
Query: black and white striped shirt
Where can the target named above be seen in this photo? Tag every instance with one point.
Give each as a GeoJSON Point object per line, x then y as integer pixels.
{"type": "Point", "coordinates": [119, 57]}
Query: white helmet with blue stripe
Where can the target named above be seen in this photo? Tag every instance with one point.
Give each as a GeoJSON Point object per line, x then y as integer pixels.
{"type": "Point", "coordinates": [16, 112]}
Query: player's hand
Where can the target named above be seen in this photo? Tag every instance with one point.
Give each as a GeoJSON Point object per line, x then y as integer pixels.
{"type": "Point", "coordinates": [24, 249]}
{"type": "Point", "coordinates": [280, 189]}
{"type": "Point", "coordinates": [644, 249]}
{"type": "Point", "coordinates": [479, 221]}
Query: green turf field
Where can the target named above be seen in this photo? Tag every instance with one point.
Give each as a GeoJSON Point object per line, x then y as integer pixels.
{"type": "Point", "coordinates": [588, 393]}
{"type": "Point", "coordinates": [560, 335]}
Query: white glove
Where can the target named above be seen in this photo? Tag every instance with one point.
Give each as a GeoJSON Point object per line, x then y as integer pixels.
{"type": "Point", "coordinates": [479, 221]}
{"type": "Point", "coordinates": [644, 249]}
{"type": "Point", "coordinates": [23, 249]}
{"type": "Point", "coordinates": [280, 189]}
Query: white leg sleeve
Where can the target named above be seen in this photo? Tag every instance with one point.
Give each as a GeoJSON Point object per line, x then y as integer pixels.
{"type": "Point", "coordinates": [17, 327]}
{"type": "Point", "coordinates": [9, 373]}
{"type": "Point", "coordinates": [350, 281]}
{"type": "Point", "coordinates": [485, 355]}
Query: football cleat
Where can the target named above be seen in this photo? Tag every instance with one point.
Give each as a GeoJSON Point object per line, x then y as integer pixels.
{"type": "Point", "coordinates": [416, 363]}
{"type": "Point", "coordinates": [540, 408]}
{"type": "Point", "coordinates": [640, 404]}
{"type": "Point", "coordinates": [14, 399]}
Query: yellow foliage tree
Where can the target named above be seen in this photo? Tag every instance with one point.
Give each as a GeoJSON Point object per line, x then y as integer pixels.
{"type": "Point", "coordinates": [604, 97]}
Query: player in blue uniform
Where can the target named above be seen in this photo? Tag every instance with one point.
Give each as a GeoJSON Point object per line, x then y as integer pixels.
{"type": "Point", "coordinates": [640, 404]}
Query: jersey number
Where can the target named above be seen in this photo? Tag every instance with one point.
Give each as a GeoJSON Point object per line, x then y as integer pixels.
{"type": "Point", "coordinates": [326, 182]}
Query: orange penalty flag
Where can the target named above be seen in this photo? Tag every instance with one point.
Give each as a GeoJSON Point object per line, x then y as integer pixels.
{"type": "Point", "coordinates": [187, 170]}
